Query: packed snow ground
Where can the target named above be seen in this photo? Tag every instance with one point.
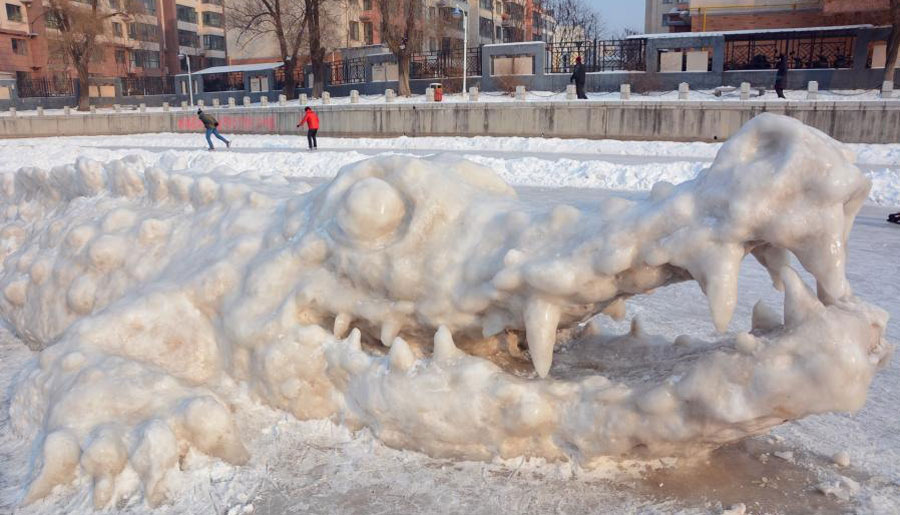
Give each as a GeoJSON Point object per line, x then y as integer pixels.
{"type": "Point", "coordinates": [317, 467]}
{"type": "Point", "coordinates": [538, 162]}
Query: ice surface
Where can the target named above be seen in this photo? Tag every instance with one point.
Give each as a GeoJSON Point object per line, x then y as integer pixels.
{"type": "Point", "coordinates": [155, 293]}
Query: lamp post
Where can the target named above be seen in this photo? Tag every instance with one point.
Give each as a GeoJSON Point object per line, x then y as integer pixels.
{"type": "Point", "coordinates": [457, 12]}
{"type": "Point", "coordinates": [190, 79]}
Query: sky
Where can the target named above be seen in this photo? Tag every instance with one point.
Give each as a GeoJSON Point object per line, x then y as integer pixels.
{"type": "Point", "coordinates": [620, 14]}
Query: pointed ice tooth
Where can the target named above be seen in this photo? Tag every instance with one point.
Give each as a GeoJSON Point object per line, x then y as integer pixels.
{"type": "Point", "coordinates": [541, 321]}
{"type": "Point", "coordinates": [799, 301]}
{"type": "Point", "coordinates": [773, 259]}
{"type": "Point", "coordinates": [764, 318]}
{"type": "Point", "coordinates": [637, 327]}
{"type": "Point", "coordinates": [354, 341]}
{"type": "Point", "coordinates": [718, 279]}
{"type": "Point", "coordinates": [615, 309]}
{"type": "Point", "coordinates": [444, 348]}
{"type": "Point", "coordinates": [389, 331]}
{"type": "Point", "coordinates": [401, 357]}
{"type": "Point", "coordinates": [341, 324]}
{"type": "Point", "coordinates": [825, 259]}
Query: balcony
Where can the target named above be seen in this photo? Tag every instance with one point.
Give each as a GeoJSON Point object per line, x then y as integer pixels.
{"type": "Point", "coordinates": [676, 18]}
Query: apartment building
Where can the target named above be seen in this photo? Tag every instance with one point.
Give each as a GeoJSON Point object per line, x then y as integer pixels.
{"type": "Point", "coordinates": [725, 15]}
{"type": "Point", "coordinates": [146, 44]}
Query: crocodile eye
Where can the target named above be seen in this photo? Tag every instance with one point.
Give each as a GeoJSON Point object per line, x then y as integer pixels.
{"type": "Point", "coordinates": [371, 210]}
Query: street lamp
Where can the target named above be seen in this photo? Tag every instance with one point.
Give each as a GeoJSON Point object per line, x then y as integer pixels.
{"type": "Point", "coordinates": [190, 80]}
{"type": "Point", "coordinates": [457, 12]}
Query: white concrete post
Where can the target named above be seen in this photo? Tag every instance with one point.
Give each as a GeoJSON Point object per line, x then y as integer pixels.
{"type": "Point", "coordinates": [571, 93]}
{"type": "Point", "coordinates": [200, 103]}
{"type": "Point", "coordinates": [40, 111]}
{"type": "Point", "coordinates": [326, 97]}
{"type": "Point", "coordinates": [93, 109]}
{"type": "Point", "coordinates": [246, 101]}
{"type": "Point", "coordinates": [282, 100]}
{"type": "Point", "coordinates": [143, 107]}
{"type": "Point", "coordinates": [231, 102]}
{"type": "Point", "coordinates": [165, 107]}
{"type": "Point", "coordinates": [625, 92]}
{"type": "Point", "coordinates": [12, 111]}
{"type": "Point", "coordinates": [184, 104]}
{"type": "Point", "coordinates": [354, 96]}
{"type": "Point", "coordinates": [812, 90]}
{"type": "Point", "coordinates": [684, 91]}
{"type": "Point", "coordinates": [67, 110]}
{"type": "Point", "coordinates": [117, 107]}
{"type": "Point", "coordinates": [429, 94]}
{"type": "Point", "coordinates": [215, 102]}
{"type": "Point", "coordinates": [887, 89]}
{"type": "Point", "coordinates": [745, 91]}
{"type": "Point", "coordinates": [473, 94]}
{"type": "Point", "coordinates": [389, 96]}
{"type": "Point", "coordinates": [520, 93]}
{"type": "Point", "coordinates": [303, 99]}
{"type": "Point", "coordinates": [264, 100]}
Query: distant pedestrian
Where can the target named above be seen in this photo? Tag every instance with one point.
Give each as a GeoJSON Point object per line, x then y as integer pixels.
{"type": "Point", "coordinates": [578, 77]}
{"type": "Point", "coordinates": [311, 120]}
{"type": "Point", "coordinates": [212, 128]}
{"type": "Point", "coordinates": [781, 76]}
{"type": "Point", "coordinates": [894, 218]}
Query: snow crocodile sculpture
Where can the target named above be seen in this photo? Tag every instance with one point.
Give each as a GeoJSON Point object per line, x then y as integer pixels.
{"type": "Point", "coordinates": [412, 297]}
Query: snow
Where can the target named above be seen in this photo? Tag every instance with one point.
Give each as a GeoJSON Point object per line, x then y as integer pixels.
{"type": "Point", "coordinates": [194, 269]}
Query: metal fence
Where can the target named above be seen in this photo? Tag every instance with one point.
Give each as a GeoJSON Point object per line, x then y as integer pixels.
{"type": "Point", "coordinates": [132, 86]}
{"type": "Point", "coordinates": [348, 71]}
{"type": "Point", "coordinates": [46, 87]}
{"type": "Point", "coordinates": [441, 64]}
{"type": "Point", "coordinates": [299, 78]}
{"type": "Point", "coordinates": [223, 82]}
{"type": "Point", "coordinates": [803, 52]}
{"type": "Point", "coordinates": [597, 55]}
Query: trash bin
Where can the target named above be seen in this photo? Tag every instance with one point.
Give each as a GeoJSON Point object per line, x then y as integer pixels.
{"type": "Point", "coordinates": [438, 91]}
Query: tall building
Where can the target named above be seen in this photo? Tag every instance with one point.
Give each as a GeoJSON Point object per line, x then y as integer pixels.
{"type": "Point", "coordinates": [145, 44]}
{"type": "Point", "coordinates": [724, 15]}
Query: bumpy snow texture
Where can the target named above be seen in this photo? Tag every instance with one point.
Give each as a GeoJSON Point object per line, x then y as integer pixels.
{"type": "Point", "coordinates": [155, 294]}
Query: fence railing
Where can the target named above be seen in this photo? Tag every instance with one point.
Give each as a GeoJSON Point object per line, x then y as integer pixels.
{"type": "Point", "coordinates": [223, 82]}
{"type": "Point", "coordinates": [442, 64]}
{"type": "Point", "coordinates": [348, 71]}
{"type": "Point", "coordinates": [46, 87]}
{"type": "Point", "coordinates": [597, 55]}
{"type": "Point", "coordinates": [803, 53]}
{"type": "Point", "coordinates": [299, 78]}
{"type": "Point", "coordinates": [132, 86]}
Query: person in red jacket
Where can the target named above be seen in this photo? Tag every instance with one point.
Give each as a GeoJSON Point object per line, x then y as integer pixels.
{"type": "Point", "coordinates": [311, 120]}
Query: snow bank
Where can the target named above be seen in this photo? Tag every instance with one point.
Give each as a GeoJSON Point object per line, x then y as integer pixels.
{"type": "Point", "coordinates": [420, 299]}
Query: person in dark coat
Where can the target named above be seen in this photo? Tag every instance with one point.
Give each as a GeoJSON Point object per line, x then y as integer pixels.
{"type": "Point", "coordinates": [212, 128]}
{"type": "Point", "coordinates": [894, 218]}
{"type": "Point", "coordinates": [578, 77]}
{"type": "Point", "coordinates": [781, 76]}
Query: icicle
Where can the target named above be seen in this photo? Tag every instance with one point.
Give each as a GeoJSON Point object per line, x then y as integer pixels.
{"type": "Point", "coordinates": [541, 321]}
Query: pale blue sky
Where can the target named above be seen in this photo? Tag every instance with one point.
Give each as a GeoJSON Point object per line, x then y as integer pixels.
{"type": "Point", "coordinates": [620, 14]}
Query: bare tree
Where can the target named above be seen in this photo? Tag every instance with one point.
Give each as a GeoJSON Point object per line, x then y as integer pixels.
{"type": "Point", "coordinates": [314, 14]}
{"type": "Point", "coordinates": [78, 27]}
{"type": "Point", "coordinates": [893, 48]}
{"type": "Point", "coordinates": [402, 33]}
{"type": "Point", "coordinates": [575, 20]}
{"type": "Point", "coordinates": [283, 20]}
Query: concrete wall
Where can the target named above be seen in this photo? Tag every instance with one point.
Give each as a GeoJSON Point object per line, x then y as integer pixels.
{"type": "Point", "coordinates": [852, 122]}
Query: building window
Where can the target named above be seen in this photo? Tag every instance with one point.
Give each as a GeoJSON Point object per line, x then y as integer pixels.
{"type": "Point", "coordinates": [51, 19]}
{"type": "Point", "coordinates": [487, 4]}
{"type": "Point", "coordinates": [215, 61]}
{"type": "Point", "coordinates": [499, 34]}
{"type": "Point", "coordinates": [369, 33]}
{"type": "Point", "coordinates": [13, 12]}
{"type": "Point", "coordinates": [114, 5]}
{"type": "Point", "coordinates": [486, 28]}
{"type": "Point", "coordinates": [354, 31]}
{"type": "Point", "coordinates": [185, 13]}
{"type": "Point", "coordinates": [188, 39]}
{"type": "Point", "coordinates": [120, 56]}
{"type": "Point", "coordinates": [19, 46]}
{"type": "Point", "coordinates": [143, 32]}
{"type": "Point", "coordinates": [149, 6]}
{"type": "Point", "coordinates": [144, 59]}
{"type": "Point", "coordinates": [367, 5]}
{"type": "Point", "coordinates": [211, 42]}
{"type": "Point", "coordinates": [212, 19]}
{"type": "Point", "coordinates": [117, 29]}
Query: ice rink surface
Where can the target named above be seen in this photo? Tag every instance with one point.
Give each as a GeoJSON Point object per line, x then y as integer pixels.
{"type": "Point", "coordinates": [320, 467]}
